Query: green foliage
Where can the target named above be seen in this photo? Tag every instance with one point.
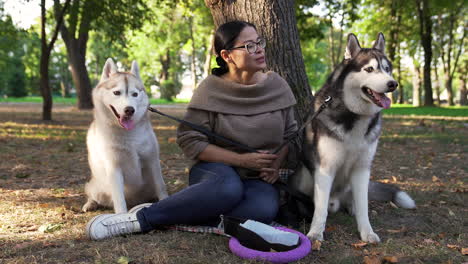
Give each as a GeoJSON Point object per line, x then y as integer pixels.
{"type": "Point", "coordinates": [12, 72]}
{"type": "Point", "coordinates": [169, 89]}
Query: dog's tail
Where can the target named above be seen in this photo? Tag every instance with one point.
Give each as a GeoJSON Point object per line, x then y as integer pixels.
{"type": "Point", "coordinates": [387, 192]}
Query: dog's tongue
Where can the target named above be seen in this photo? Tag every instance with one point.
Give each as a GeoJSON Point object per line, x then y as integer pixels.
{"type": "Point", "coordinates": [384, 100]}
{"type": "Point", "coordinates": [126, 123]}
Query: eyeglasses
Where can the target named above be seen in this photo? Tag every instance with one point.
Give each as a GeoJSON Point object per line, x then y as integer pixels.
{"type": "Point", "coordinates": [252, 47]}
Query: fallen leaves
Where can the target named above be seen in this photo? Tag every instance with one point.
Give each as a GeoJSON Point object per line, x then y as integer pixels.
{"type": "Point", "coordinates": [359, 245]}
{"type": "Point", "coordinates": [464, 251]}
{"type": "Point", "coordinates": [50, 228]}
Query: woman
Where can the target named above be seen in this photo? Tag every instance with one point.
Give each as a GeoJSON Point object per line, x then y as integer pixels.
{"type": "Point", "coordinates": [242, 103]}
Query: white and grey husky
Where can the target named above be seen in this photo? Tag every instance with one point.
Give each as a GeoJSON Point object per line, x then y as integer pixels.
{"type": "Point", "coordinates": [123, 152]}
{"type": "Point", "coordinates": [341, 142]}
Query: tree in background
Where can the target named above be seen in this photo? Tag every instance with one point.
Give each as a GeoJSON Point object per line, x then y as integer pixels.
{"type": "Point", "coordinates": [46, 49]}
{"type": "Point", "coordinates": [111, 16]}
{"type": "Point", "coordinates": [425, 26]}
{"type": "Point", "coordinates": [12, 75]}
{"type": "Point", "coordinates": [177, 40]}
{"type": "Point", "coordinates": [449, 33]}
{"type": "Point", "coordinates": [276, 21]}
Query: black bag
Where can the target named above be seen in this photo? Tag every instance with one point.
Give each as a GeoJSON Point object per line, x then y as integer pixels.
{"type": "Point", "coordinates": [250, 239]}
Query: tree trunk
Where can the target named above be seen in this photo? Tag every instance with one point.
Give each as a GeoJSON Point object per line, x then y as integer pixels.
{"type": "Point", "coordinates": [75, 38]}
{"type": "Point", "coordinates": [401, 95]}
{"type": "Point", "coordinates": [417, 86]}
{"type": "Point", "coordinates": [276, 21]}
{"type": "Point", "coordinates": [166, 64]}
{"type": "Point", "coordinates": [463, 90]}
{"type": "Point", "coordinates": [425, 24]}
{"type": "Point", "coordinates": [209, 55]}
{"type": "Point", "coordinates": [448, 86]}
{"type": "Point", "coordinates": [193, 65]}
{"type": "Point", "coordinates": [46, 49]}
{"type": "Point", "coordinates": [393, 40]}
{"type": "Point", "coordinates": [437, 84]}
{"type": "Point", "coordinates": [44, 85]}
{"type": "Point", "coordinates": [80, 77]}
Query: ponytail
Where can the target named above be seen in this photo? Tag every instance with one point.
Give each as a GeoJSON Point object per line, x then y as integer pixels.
{"type": "Point", "coordinates": [222, 69]}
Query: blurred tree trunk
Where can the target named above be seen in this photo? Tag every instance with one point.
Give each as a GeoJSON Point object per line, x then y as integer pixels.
{"type": "Point", "coordinates": [463, 90]}
{"type": "Point", "coordinates": [76, 37]}
{"type": "Point", "coordinates": [437, 84]}
{"type": "Point", "coordinates": [193, 66]}
{"type": "Point", "coordinates": [209, 55]}
{"type": "Point", "coordinates": [166, 64]}
{"type": "Point", "coordinates": [393, 41]}
{"type": "Point", "coordinates": [449, 55]}
{"type": "Point", "coordinates": [46, 49]}
{"type": "Point", "coordinates": [416, 85]}
{"type": "Point", "coordinates": [425, 28]}
{"type": "Point", "coordinates": [401, 94]}
{"type": "Point", "coordinates": [276, 21]}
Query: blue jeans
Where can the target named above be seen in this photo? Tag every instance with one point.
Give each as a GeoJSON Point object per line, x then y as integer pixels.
{"type": "Point", "coordinates": [214, 189]}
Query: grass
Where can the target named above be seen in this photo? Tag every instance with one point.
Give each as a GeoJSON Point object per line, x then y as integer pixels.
{"type": "Point", "coordinates": [409, 110]}
{"type": "Point", "coordinates": [43, 169]}
{"type": "Point", "coordinates": [73, 100]}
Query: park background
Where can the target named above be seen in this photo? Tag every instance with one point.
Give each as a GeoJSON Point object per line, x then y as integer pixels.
{"type": "Point", "coordinates": [49, 64]}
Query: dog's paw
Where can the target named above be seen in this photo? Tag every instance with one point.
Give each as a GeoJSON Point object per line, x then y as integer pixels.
{"type": "Point", "coordinates": [90, 205]}
{"type": "Point", "coordinates": [315, 236]}
{"type": "Point", "coordinates": [370, 237]}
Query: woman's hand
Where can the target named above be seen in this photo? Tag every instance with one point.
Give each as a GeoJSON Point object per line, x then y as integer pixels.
{"type": "Point", "coordinates": [257, 161]}
{"type": "Point", "coordinates": [270, 175]}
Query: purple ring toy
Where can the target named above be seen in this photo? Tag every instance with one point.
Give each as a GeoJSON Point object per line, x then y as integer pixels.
{"type": "Point", "coordinates": [274, 257]}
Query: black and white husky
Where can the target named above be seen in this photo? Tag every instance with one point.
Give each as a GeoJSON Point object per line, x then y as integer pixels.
{"type": "Point", "coordinates": [341, 142]}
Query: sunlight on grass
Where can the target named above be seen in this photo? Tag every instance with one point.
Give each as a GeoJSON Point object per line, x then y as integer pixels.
{"type": "Point", "coordinates": [32, 131]}
{"type": "Point", "coordinates": [73, 100]}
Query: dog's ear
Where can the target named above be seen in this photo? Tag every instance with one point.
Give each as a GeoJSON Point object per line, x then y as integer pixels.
{"type": "Point", "coordinates": [380, 43]}
{"type": "Point", "coordinates": [135, 70]}
{"type": "Point", "coordinates": [108, 70]}
{"type": "Point", "coordinates": [353, 47]}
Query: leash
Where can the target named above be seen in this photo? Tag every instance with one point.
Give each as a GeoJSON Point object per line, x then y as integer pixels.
{"type": "Point", "coordinates": [299, 195]}
{"type": "Point", "coordinates": [209, 133]}
{"type": "Point", "coordinates": [205, 131]}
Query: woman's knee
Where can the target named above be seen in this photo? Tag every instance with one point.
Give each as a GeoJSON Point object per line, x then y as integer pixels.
{"type": "Point", "coordinates": [266, 203]}
{"type": "Point", "coordinates": [219, 178]}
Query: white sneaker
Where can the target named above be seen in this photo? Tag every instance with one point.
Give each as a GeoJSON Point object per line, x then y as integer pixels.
{"type": "Point", "coordinates": [136, 208]}
{"type": "Point", "coordinates": [110, 225]}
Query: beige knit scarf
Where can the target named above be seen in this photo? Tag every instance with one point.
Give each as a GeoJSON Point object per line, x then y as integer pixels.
{"type": "Point", "coordinates": [216, 94]}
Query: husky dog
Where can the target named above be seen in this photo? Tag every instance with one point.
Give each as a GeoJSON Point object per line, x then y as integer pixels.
{"type": "Point", "coordinates": [341, 142]}
{"type": "Point", "coordinates": [123, 152]}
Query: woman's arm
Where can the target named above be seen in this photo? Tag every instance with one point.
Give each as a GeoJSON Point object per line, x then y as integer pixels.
{"type": "Point", "coordinates": [254, 161]}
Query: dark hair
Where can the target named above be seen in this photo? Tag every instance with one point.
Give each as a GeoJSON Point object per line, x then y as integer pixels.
{"type": "Point", "coordinates": [225, 37]}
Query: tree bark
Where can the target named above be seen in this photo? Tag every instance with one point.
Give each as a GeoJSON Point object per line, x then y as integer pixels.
{"type": "Point", "coordinates": [166, 64]}
{"type": "Point", "coordinates": [417, 86]}
{"type": "Point", "coordinates": [46, 49]}
{"type": "Point", "coordinates": [193, 65]}
{"type": "Point", "coordinates": [437, 84]}
{"type": "Point", "coordinates": [209, 55]}
{"type": "Point", "coordinates": [75, 39]}
{"type": "Point", "coordinates": [425, 24]}
{"type": "Point", "coordinates": [463, 90]}
{"type": "Point", "coordinates": [276, 21]}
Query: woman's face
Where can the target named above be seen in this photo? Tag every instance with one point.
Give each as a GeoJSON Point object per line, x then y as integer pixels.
{"type": "Point", "coordinates": [241, 58]}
